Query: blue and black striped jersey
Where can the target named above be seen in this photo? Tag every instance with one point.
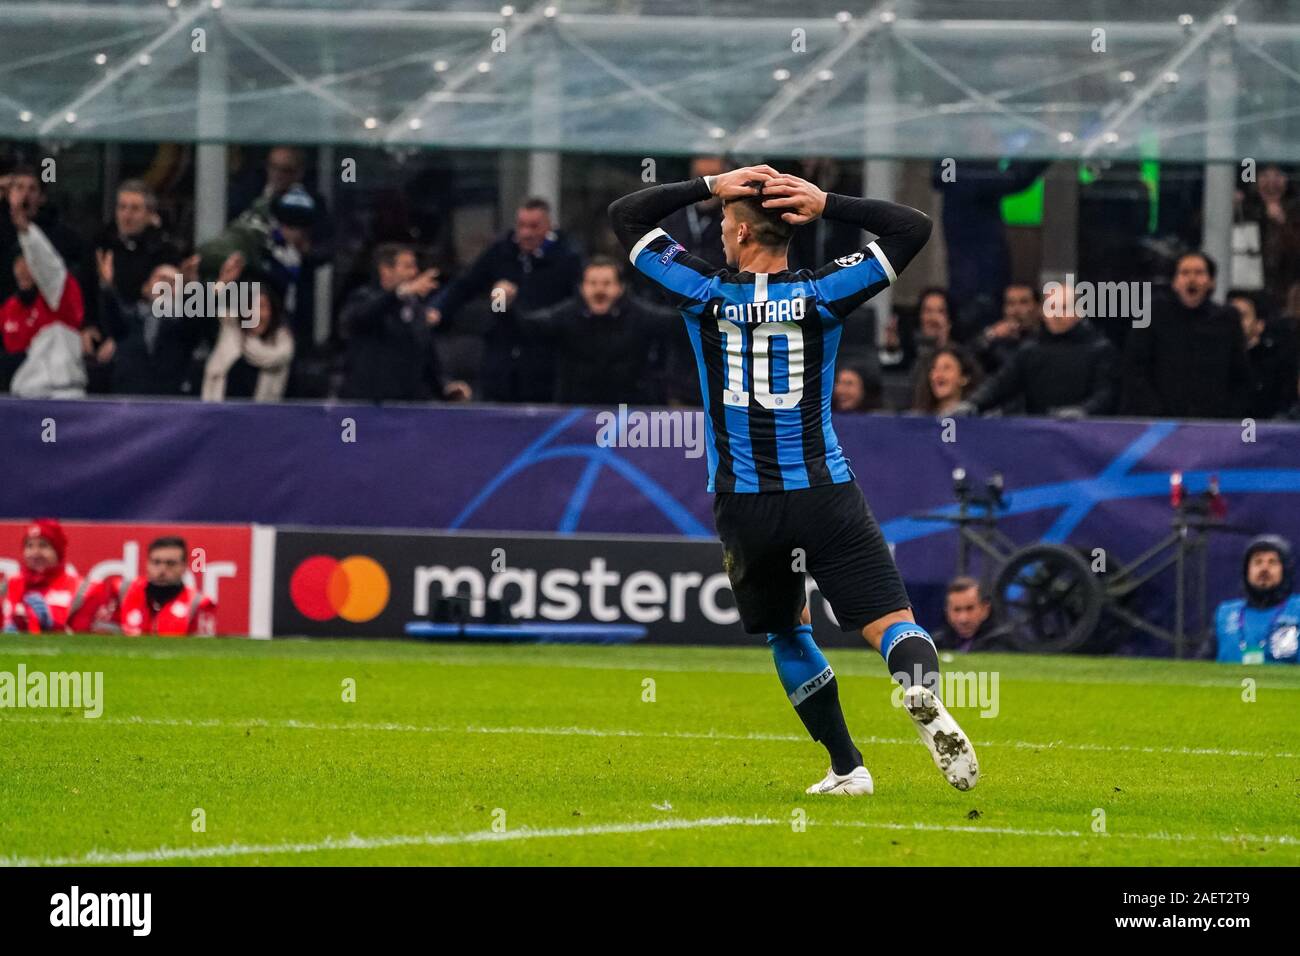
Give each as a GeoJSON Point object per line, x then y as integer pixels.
{"type": "Point", "coordinates": [765, 347]}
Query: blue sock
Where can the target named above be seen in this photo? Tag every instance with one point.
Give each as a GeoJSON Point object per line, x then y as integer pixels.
{"type": "Point", "coordinates": [908, 650]}
{"type": "Point", "coordinates": [810, 684]}
{"type": "Point", "coordinates": [800, 663]}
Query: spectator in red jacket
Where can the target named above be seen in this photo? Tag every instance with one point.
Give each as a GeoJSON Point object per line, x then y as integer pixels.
{"type": "Point", "coordinates": [45, 596]}
{"type": "Point", "coordinates": [160, 602]}
{"type": "Point", "coordinates": [46, 294]}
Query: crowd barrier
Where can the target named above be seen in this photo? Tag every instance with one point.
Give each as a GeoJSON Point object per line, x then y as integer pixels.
{"type": "Point", "coordinates": [542, 493]}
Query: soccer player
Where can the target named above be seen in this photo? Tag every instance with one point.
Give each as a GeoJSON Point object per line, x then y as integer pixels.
{"type": "Point", "coordinates": [765, 340]}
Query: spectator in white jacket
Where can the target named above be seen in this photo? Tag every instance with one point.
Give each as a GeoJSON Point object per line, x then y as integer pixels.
{"type": "Point", "coordinates": [251, 356]}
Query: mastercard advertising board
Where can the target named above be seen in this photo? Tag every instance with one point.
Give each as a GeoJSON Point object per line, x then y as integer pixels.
{"type": "Point", "coordinates": [221, 561]}
{"type": "Point", "coordinates": [345, 583]}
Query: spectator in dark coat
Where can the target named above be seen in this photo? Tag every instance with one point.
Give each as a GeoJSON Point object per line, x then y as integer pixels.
{"type": "Point", "coordinates": [151, 346]}
{"type": "Point", "coordinates": [604, 338]}
{"type": "Point", "coordinates": [388, 328]}
{"type": "Point", "coordinates": [1190, 362]}
{"type": "Point", "coordinates": [1068, 369]}
{"type": "Point", "coordinates": [528, 269]}
{"type": "Point", "coordinates": [138, 244]}
{"type": "Point", "coordinates": [1272, 360]}
{"type": "Point", "coordinates": [969, 624]}
{"type": "Point", "coordinates": [1022, 314]}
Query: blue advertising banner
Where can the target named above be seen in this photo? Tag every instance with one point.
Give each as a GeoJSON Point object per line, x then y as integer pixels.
{"type": "Point", "coordinates": [1091, 484]}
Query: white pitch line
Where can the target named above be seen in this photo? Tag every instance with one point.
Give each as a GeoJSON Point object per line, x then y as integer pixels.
{"type": "Point", "coordinates": [712, 667]}
{"type": "Point", "coordinates": [354, 842]}
{"type": "Point", "coordinates": [594, 732]}
{"type": "Point", "coordinates": [1283, 839]}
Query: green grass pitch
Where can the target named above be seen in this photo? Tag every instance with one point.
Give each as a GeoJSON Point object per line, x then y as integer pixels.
{"type": "Point", "coordinates": [491, 755]}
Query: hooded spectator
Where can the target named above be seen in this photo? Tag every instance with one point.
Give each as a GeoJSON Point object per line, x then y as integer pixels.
{"type": "Point", "coordinates": [1262, 627]}
{"type": "Point", "coordinates": [274, 238]}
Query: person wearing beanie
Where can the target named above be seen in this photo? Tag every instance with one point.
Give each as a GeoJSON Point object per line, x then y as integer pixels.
{"type": "Point", "coordinates": [46, 596]}
{"type": "Point", "coordinates": [1262, 627]}
{"type": "Point", "coordinates": [41, 597]}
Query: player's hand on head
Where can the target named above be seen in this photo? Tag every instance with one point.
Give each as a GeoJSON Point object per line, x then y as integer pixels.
{"type": "Point", "coordinates": [742, 182]}
{"type": "Point", "coordinates": [800, 201]}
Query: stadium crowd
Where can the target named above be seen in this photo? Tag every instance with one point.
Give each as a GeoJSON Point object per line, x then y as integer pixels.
{"type": "Point", "coordinates": [87, 314]}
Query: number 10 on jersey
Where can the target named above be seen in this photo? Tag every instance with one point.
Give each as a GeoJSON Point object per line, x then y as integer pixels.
{"type": "Point", "coordinates": [760, 352]}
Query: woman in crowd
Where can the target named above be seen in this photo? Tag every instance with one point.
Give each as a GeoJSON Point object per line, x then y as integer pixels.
{"type": "Point", "coordinates": [250, 362]}
{"type": "Point", "coordinates": [856, 390]}
{"type": "Point", "coordinates": [949, 375]}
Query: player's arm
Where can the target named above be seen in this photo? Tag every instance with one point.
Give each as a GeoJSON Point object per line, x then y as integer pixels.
{"type": "Point", "coordinates": [652, 252]}
{"type": "Point", "coordinates": [901, 232]}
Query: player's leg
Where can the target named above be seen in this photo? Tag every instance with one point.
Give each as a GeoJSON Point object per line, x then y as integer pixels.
{"type": "Point", "coordinates": [910, 655]}
{"type": "Point", "coordinates": [855, 572]}
{"type": "Point", "coordinates": [771, 599]}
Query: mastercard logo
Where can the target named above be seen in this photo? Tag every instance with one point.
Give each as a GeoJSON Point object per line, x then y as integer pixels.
{"type": "Point", "coordinates": [354, 588]}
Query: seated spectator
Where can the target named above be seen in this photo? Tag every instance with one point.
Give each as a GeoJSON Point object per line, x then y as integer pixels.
{"type": "Point", "coordinates": [968, 620]}
{"type": "Point", "coordinates": [1067, 369]}
{"type": "Point", "coordinates": [161, 602]}
{"type": "Point", "coordinates": [856, 390]}
{"type": "Point", "coordinates": [388, 329]}
{"type": "Point", "coordinates": [1190, 362]}
{"type": "Point", "coordinates": [250, 358]}
{"type": "Point", "coordinates": [946, 378]}
{"type": "Point", "coordinates": [905, 347]}
{"type": "Point", "coordinates": [528, 269]}
{"type": "Point", "coordinates": [934, 320]}
{"type": "Point", "coordinates": [150, 347]}
{"type": "Point", "coordinates": [1262, 627]}
{"type": "Point", "coordinates": [39, 321]}
{"type": "Point", "coordinates": [602, 337]}
{"type": "Point", "coordinates": [1022, 314]}
{"type": "Point", "coordinates": [1272, 363]}
{"type": "Point", "coordinates": [45, 596]}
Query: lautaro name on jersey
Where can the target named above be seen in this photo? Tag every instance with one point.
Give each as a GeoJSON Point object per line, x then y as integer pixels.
{"type": "Point", "coordinates": [765, 343]}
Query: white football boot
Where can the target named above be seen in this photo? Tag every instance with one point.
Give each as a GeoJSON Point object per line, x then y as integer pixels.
{"type": "Point", "coordinates": [947, 743]}
{"type": "Point", "coordinates": [855, 783]}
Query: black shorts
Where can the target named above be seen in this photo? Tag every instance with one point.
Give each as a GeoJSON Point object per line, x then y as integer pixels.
{"type": "Point", "coordinates": [841, 547]}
